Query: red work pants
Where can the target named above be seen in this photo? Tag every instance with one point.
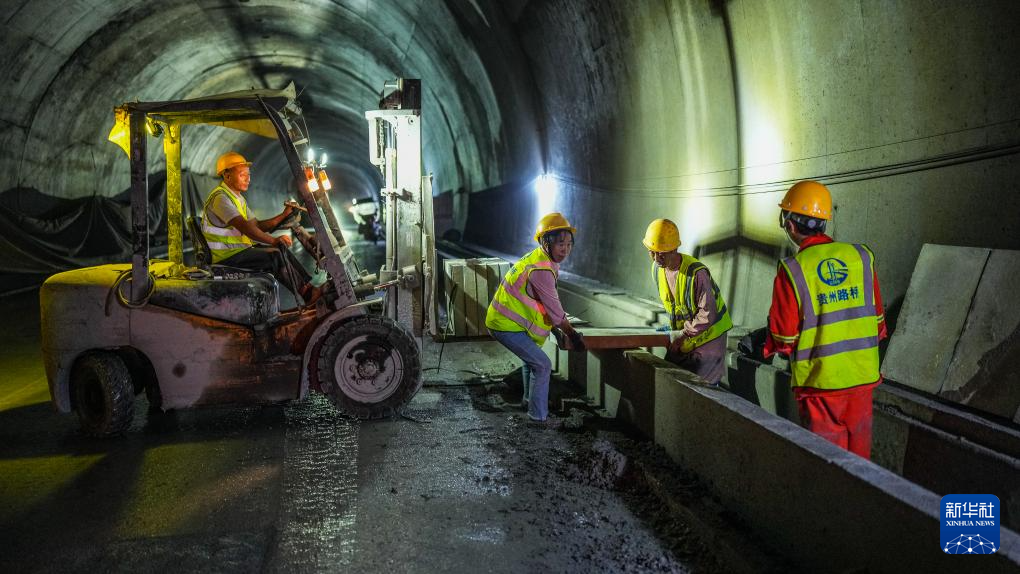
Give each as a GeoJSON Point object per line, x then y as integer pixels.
{"type": "Point", "coordinates": [840, 417]}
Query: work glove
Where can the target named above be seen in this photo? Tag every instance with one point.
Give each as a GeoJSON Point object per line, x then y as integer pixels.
{"type": "Point", "coordinates": [576, 341]}
{"type": "Point", "coordinates": [752, 345]}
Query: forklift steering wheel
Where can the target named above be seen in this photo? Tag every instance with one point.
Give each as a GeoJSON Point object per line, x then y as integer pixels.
{"type": "Point", "coordinates": [292, 219]}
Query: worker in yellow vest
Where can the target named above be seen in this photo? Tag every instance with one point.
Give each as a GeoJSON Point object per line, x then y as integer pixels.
{"type": "Point", "coordinates": [827, 317]}
{"type": "Point", "coordinates": [526, 307]}
{"type": "Point", "coordinates": [232, 232]}
{"type": "Point", "coordinates": [698, 317]}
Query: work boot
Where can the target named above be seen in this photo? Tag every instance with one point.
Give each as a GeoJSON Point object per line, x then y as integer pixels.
{"type": "Point", "coordinates": [550, 423]}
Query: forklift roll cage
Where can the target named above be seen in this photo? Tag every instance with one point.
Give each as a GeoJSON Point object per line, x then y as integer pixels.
{"type": "Point", "coordinates": [270, 113]}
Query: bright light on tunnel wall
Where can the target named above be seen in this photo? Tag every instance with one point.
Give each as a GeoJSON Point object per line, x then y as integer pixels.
{"type": "Point", "coordinates": [546, 188]}
{"type": "Point", "coordinates": [697, 220]}
{"type": "Point", "coordinates": [763, 150]}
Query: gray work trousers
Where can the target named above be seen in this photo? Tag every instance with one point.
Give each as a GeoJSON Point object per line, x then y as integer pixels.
{"type": "Point", "coordinates": [707, 361]}
{"type": "Point", "coordinates": [272, 260]}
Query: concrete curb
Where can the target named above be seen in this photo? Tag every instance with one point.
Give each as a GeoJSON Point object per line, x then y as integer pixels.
{"type": "Point", "coordinates": [793, 487]}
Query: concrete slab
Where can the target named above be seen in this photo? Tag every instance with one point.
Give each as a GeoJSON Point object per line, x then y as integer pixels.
{"type": "Point", "coordinates": [945, 464]}
{"type": "Point", "coordinates": [607, 375]}
{"type": "Point", "coordinates": [623, 338]}
{"type": "Point", "coordinates": [764, 385]}
{"type": "Point", "coordinates": [577, 368]}
{"type": "Point", "coordinates": [934, 313]}
{"type": "Point", "coordinates": [983, 371]}
{"type": "Point", "coordinates": [637, 390]}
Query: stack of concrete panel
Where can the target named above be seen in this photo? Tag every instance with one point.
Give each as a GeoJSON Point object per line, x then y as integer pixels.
{"type": "Point", "coordinates": [470, 285]}
{"type": "Point", "coordinates": [958, 334]}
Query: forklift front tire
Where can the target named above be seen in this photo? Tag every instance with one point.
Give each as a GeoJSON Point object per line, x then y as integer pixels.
{"type": "Point", "coordinates": [370, 367]}
{"type": "Point", "coordinates": [104, 395]}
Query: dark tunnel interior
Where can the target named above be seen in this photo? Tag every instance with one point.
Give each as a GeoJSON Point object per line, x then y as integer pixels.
{"type": "Point", "coordinates": [700, 111]}
{"type": "Point", "coordinates": [614, 113]}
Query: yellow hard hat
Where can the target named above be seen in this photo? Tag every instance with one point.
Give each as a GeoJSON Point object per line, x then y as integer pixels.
{"type": "Point", "coordinates": [229, 160]}
{"type": "Point", "coordinates": [662, 236]}
{"type": "Point", "coordinates": [552, 222]}
{"type": "Point", "coordinates": [808, 198]}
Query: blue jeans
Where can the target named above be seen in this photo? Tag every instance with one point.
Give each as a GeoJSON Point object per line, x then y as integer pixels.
{"type": "Point", "coordinates": [536, 372]}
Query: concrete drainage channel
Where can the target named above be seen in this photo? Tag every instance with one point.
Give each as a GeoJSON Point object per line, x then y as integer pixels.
{"type": "Point", "coordinates": [781, 480]}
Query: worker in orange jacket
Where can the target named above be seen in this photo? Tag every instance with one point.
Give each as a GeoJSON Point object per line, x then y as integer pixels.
{"type": "Point", "coordinates": [827, 316]}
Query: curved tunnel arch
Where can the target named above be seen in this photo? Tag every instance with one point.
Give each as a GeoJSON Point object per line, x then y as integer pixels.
{"type": "Point", "coordinates": [699, 111]}
{"type": "Point", "coordinates": [338, 54]}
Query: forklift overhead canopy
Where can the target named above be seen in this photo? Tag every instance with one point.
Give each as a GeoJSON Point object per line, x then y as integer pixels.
{"type": "Point", "coordinates": [237, 110]}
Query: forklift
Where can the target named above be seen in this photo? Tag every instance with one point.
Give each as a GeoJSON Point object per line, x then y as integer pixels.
{"type": "Point", "coordinates": [211, 335]}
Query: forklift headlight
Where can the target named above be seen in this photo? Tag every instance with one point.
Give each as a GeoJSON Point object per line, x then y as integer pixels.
{"type": "Point", "coordinates": [324, 181]}
{"type": "Point", "coordinates": [313, 185]}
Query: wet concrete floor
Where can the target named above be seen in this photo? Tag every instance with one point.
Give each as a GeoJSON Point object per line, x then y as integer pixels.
{"type": "Point", "coordinates": [460, 484]}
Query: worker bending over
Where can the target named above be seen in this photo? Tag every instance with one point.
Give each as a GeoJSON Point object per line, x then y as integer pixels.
{"type": "Point", "coordinates": [698, 317]}
{"type": "Point", "coordinates": [827, 316]}
{"type": "Point", "coordinates": [526, 307]}
{"type": "Point", "coordinates": [232, 234]}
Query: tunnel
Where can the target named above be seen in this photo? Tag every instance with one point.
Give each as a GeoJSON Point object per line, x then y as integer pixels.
{"type": "Point", "coordinates": [704, 112]}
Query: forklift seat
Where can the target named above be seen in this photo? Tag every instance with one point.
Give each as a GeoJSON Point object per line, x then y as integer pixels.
{"type": "Point", "coordinates": [250, 300]}
{"type": "Point", "coordinates": [231, 294]}
{"type": "Point", "coordinates": [203, 255]}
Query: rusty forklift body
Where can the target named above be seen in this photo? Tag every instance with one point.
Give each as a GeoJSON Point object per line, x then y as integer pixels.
{"type": "Point", "coordinates": [193, 337]}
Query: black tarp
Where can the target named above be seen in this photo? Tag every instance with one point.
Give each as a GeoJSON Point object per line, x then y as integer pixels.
{"type": "Point", "coordinates": [41, 234]}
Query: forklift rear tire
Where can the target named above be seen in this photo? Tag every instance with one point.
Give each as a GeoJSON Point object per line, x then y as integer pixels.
{"type": "Point", "coordinates": [104, 396]}
{"type": "Point", "coordinates": [370, 367]}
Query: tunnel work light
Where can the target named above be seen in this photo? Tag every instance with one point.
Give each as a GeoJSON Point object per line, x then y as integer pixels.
{"type": "Point", "coordinates": [322, 160]}
{"type": "Point", "coordinates": [546, 187]}
{"type": "Point", "coordinates": [310, 155]}
{"type": "Point", "coordinates": [545, 184]}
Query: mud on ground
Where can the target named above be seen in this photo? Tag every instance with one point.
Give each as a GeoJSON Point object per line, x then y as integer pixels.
{"type": "Point", "coordinates": [588, 496]}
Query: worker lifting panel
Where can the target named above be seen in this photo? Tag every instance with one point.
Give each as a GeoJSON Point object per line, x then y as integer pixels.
{"type": "Point", "coordinates": [470, 286]}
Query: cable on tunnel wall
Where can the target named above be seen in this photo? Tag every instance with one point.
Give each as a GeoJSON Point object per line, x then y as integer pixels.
{"type": "Point", "coordinates": [863, 174]}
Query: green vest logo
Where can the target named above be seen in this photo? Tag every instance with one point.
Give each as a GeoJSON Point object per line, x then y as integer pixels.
{"type": "Point", "coordinates": [832, 271]}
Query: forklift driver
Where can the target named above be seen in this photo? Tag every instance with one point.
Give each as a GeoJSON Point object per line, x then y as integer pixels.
{"type": "Point", "coordinates": [232, 234]}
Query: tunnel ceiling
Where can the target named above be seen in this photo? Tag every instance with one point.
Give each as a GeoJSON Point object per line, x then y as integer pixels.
{"type": "Point", "coordinates": [67, 64]}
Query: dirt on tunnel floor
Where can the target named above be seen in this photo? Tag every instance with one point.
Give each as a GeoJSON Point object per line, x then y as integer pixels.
{"type": "Point", "coordinates": [461, 483]}
{"type": "Point", "coordinates": [503, 495]}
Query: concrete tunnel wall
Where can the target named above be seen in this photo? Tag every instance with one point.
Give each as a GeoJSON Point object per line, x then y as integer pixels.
{"type": "Point", "coordinates": [705, 112]}
{"type": "Point", "coordinates": [702, 111]}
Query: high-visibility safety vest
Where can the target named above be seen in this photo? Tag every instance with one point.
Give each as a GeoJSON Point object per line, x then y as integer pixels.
{"type": "Point", "coordinates": [685, 307]}
{"type": "Point", "coordinates": [512, 309]}
{"type": "Point", "coordinates": [838, 343]}
{"type": "Point", "coordinates": [224, 241]}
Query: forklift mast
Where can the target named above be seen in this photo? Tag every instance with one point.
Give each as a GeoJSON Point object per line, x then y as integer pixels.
{"type": "Point", "coordinates": [408, 273]}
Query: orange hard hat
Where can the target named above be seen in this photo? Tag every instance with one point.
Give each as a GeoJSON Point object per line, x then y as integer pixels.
{"type": "Point", "coordinates": [808, 198]}
{"type": "Point", "coordinates": [553, 222]}
{"type": "Point", "coordinates": [229, 160]}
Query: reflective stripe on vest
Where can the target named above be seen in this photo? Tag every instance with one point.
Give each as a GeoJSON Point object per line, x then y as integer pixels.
{"type": "Point", "coordinates": [512, 309]}
{"type": "Point", "coordinates": [838, 343]}
{"type": "Point", "coordinates": [224, 241]}
{"type": "Point", "coordinates": [687, 307]}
